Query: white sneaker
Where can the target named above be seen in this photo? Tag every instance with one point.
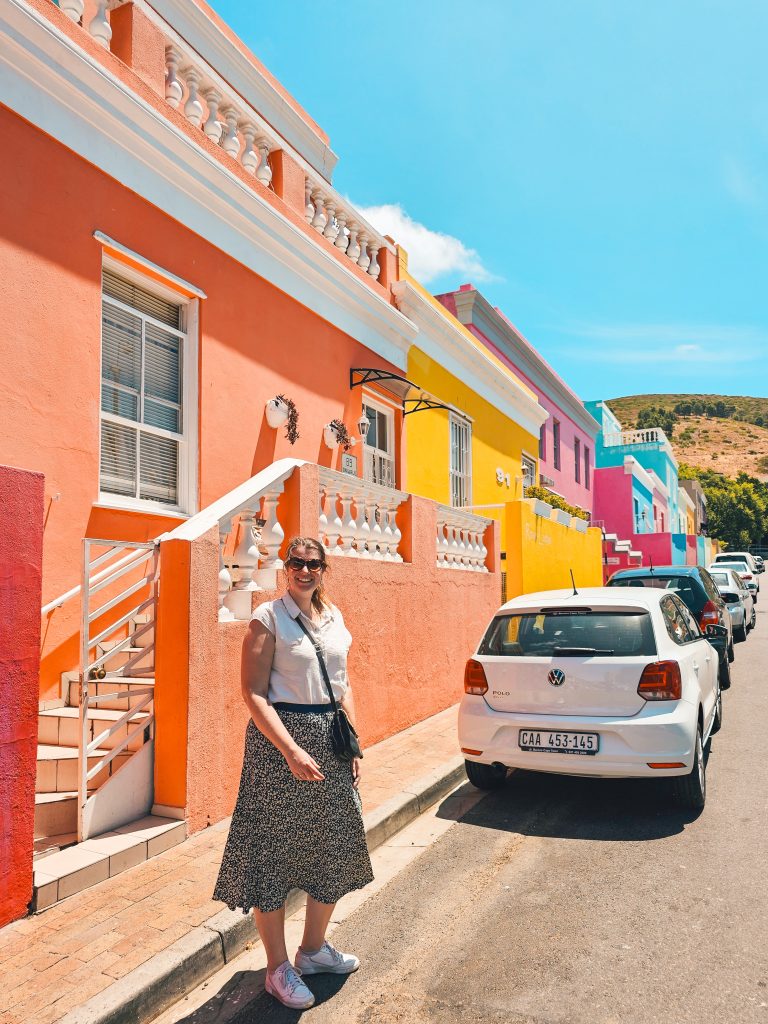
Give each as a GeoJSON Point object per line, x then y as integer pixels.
{"type": "Point", "coordinates": [285, 984]}
{"type": "Point", "coordinates": [327, 960]}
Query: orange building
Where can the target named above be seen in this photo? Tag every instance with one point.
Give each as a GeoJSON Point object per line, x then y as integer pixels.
{"type": "Point", "coordinates": [176, 264]}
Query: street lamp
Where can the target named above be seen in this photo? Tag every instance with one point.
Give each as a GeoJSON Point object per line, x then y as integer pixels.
{"type": "Point", "coordinates": [363, 426]}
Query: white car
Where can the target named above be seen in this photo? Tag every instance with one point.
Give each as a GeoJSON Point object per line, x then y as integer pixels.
{"type": "Point", "coordinates": [748, 578]}
{"type": "Point", "coordinates": [738, 598]}
{"type": "Point", "coordinates": [745, 562]}
{"type": "Point", "coordinates": [610, 682]}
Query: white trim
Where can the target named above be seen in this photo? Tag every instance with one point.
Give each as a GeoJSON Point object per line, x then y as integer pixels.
{"type": "Point", "coordinates": [447, 345]}
{"type": "Point", "coordinates": [125, 504]}
{"type": "Point", "coordinates": [633, 467]}
{"type": "Point", "coordinates": [54, 84]}
{"type": "Point", "coordinates": [178, 284]}
{"type": "Point", "coordinates": [473, 308]}
{"type": "Point", "coordinates": [374, 396]}
{"type": "Point", "coordinates": [389, 453]}
{"type": "Point", "coordinates": [465, 477]}
{"type": "Point", "coordinates": [199, 31]}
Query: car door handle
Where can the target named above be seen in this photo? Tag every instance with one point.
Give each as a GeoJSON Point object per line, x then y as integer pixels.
{"type": "Point", "coordinates": [696, 667]}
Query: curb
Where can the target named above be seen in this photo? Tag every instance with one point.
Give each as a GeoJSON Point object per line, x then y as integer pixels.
{"type": "Point", "coordinates": [166, 977]}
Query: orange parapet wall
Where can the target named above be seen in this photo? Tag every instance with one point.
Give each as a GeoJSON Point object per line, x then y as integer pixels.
{"type": "Point", "coordinates": [413, 627]}
{"type": "Point", "coordinates": [21, 556]}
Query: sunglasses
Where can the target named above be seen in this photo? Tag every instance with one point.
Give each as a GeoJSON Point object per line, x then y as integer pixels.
{"type": "Point", "coordinates": [297, 564]}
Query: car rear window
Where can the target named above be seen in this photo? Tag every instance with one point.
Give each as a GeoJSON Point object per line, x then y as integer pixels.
{"type": "Point", "coordinates": [732, 558]}
{"type": "Point", "coordinates": [720, 578]}
{"type": "Point", "coordinates": [571, 633]}
{"type": "Point", "coordinates": [688, 588]}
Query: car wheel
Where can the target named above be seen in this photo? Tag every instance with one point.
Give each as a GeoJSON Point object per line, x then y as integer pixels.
{"type": "Point", "coordinates": [731, 655]}
{"type": "Point", "coordinates": [485, 776]}
{"type": "Point", "coordinates": [754, 618]}
{"type": "Point", "coordinates": [690, 791]}
{"type": "Point", "coordinates": [740, 634]}
{"type": "Point", "coordinates": [724, 677]}
{"type": "Point", "coordinates": [717, 721]}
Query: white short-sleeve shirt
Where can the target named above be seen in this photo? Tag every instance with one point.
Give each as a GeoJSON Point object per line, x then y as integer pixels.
{"type": "Point", "coordinates": [295, 677]}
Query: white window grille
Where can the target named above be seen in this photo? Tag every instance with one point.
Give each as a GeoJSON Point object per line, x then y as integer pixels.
{"type": "Point", "coordinates": [143, 454]}
{"type": "Point", "coordinates": [529, 472]}
{"type": "Point", "coordinates": [461, 462]}
{"type": "Point", "coordinates": [379, 449]}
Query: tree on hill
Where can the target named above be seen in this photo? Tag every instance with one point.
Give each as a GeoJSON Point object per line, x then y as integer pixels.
{"type": "Point", "coordinates": [737, 510]}
{"type": "Point", "coordinates": [656, 416]}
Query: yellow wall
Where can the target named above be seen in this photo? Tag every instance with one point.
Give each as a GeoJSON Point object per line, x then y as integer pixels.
{"type": "Point", "coordinates": [541, 553]}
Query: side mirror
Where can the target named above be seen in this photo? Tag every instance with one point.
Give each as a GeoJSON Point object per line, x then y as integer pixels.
{"type": "Point", "coordinates": [713, 630]}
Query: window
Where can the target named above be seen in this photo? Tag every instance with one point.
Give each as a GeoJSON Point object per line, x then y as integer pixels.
{"type": "Point", "coordinates": [577, 459]}
{"type": "Point", "coordinates": [529, 472]}
{"type": "Point", "coordinates": [543, 442]}
{"type": "Point", "coordinates": [577, 633]}
{"type": "Point", "coordinates": [638, 520]}
{"type": "Point", "coordinates": [587, 471]}
{"type": "Point", "coordinates": [461, 462]}
{"type": "Point", "coordinates": [144, 452]}
{"type": "Point", "coordinates": [379, 449]}
{"type": "Point", "coordinates": [556, 443]}
{"type": "Point", "coordinates": [675, 621]}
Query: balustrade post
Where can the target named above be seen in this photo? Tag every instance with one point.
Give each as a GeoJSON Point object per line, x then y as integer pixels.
{"type": "Point", "coordinates": [263, 171]}
{"type": "Point", "coordinates": [309, 206]}
{"type": "Point", "coordinates": [230, 142]}
{"type": "Point", "coordinates": [348, 527]}
{"type": "Point", "coordinates": [397, 533]}
{"type": "Point", "coordinates": [225, 576]}
{"type": "Point", "coordinates": [272, 537]}
{"type": "Point", "coordinates": [335, 525]}
{"type": "Point", "coordinates": [387, 537]}
{"type": "Point", "coordinates": [99, 26]}
{"type": "Point", "coordinates": [363, 260]}
{"type": "Point", "coordinates": [73, 9]}
{"type": "Point", "coordinates": [213, 127]}
{"type": "Point", "coordinates": [342, 238]}
{"type": "Point", "coordinates": [322, 517]}
{"type": "Point", "coordinates": [364, 510]}
{"type": "Point", "coordinates": [331, 229]}
{"type": "Point", "coordinates": [442, 545]}
{"type": "Point", "coordinates": [374, 268]}
{"type": "Point", "coordinates": [174, 90]}
{"type": "Point", "coordinates": [319, 219]}
{"type": "Point", "coordinates": [246, 555]}
{"type": "Point", "coordinates": [193, 108]}
{"type": "Point", "coordinates": [249, 158]}
{"type": "Point", "coordinates": [353, 249]}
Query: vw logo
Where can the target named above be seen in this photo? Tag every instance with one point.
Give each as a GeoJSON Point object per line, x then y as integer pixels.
{"type": "Point", "coordinates": [556, 677]}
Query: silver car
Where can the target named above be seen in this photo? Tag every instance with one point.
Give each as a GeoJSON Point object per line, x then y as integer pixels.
{"type": "Point", "coordinates": [737, 596]}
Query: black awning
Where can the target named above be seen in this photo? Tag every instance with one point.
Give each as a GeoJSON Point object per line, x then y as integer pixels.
{"type": "Point", "coordinates": [422, 403]}
{"type": "Point", "coordinates": [392, 382]}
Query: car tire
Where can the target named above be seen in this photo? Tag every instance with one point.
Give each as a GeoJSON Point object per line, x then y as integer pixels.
{"type": "Point", "coordinates": [724, 675]}
{"type": "Point", "coordinates": [717, 721]}
{"type": "Point", "coordinates": [731, 655]}
{"type": "Point", "coordinates": [740, 634]}
{"type": "Point", "coordinates": [690, 791]}
{"type": "Point", "coordinates": [485, 776]}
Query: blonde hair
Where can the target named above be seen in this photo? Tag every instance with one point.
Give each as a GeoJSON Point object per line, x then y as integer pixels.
{"type": "Point", "coordinates": [320, 600]}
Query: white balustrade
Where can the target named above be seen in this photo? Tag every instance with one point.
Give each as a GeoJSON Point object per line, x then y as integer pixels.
{"type": "Point", "coordinates": [174, 90]}
{"type": "Point", "coordinates": [367, 524]}
{"type": "Point", "coordinates": [99, 26]}
{"type": "Point", "coordinates": [328, 214]}
{"type": "Point", "coordinates": [72, 8]}
{"type": "Point", "coordinates": [249, 158]}
{"type": "Point", "coordinates": [460, 540]}
{"type": "Point", "coordinates": [193, 108]}
{"type": "Point", "coordinates": [213, 127]}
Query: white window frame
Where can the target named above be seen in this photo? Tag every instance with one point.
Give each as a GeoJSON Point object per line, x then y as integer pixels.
{"type": "Point", "coordinates": [188, 439]}
{"type": "Point", "coordinates": [460, 478]}
{"type": "Point", "coordinates": [369, 452]}
{"type": "Point", "coordinates": [527, 457]}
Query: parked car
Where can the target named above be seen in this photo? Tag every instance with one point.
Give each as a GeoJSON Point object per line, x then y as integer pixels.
{"type": "Point", "coordinates": [760, 563]}
{"type": "Point", "coordinates": [697, 590]}
{"type": "Point", "coordinates": [743, 558]}
{"type": "Point", "coordinates": [750, 579]}
{"type": "Point", "coordinates": [611, 682]}
{"type": "Point", "coordinates": [738, 598]}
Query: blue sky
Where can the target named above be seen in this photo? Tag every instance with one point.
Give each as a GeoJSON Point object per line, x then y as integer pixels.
{"type": "Point", "coordinates": [599, 166]}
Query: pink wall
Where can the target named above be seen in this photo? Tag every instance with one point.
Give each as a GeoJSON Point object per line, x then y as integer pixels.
{"type": "Point", "coordinates": [21, 555]}
{"type": "Point", "coordinates": [565, 482]}
{"type": "Point", "coordinates": [655, 546]}
{"type": "Point", "coordinates": [613, 501]}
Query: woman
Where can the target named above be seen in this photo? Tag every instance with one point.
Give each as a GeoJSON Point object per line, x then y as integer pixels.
{"type": "Point", "coordinates": [298, 820]}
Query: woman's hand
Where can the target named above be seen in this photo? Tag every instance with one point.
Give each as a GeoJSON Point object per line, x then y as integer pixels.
{"type": "Point", "coordinates": [303, 766]}
{"type": "Point", "coordinates": [356, 772]}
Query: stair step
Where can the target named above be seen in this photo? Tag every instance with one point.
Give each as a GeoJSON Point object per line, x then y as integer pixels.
{"type": "Point", "coordinates": [57, 768]}
{"type": "Point", "coordinates": [46, 845]}
{"type": "Point", "coordinates": [55, 815]}
{"type": "Point", "coordinates": [71, 870]}
{"type": "Point", "coordinates": [110, 684]}
{"type": "Point", "coordinates": [61, 726]}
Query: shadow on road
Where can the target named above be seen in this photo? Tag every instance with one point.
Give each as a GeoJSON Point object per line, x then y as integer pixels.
{"type": "Point", "coordinates": [243, 1001]}
{"type": "Point", "coordinates": [569, 807]}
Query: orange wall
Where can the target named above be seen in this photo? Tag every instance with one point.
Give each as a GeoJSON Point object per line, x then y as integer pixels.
{"type": "Point", "coordinates": [400, 674]}
{"type": "Point", "coordinates": [255, 341]}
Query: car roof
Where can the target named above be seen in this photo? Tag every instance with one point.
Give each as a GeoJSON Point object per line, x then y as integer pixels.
{"type": "Point", "coordinates": [657, 570]}
{"type": "Point", "coordinates": [733, 554]}
{"type": "Point", "coordinates": [608, 598]}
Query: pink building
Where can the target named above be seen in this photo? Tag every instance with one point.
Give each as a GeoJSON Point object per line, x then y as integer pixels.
{"type": "Point", "coordinates": [565, 460]}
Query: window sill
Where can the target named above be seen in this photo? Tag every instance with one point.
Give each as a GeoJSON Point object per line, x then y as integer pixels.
{"type": "Point", "coordinates": [147, 509]}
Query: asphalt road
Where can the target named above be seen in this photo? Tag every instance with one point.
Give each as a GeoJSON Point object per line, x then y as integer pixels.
{"type": "Point", "coordinates": [560, 900]}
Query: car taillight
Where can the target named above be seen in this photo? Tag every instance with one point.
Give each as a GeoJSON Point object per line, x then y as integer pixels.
{"type": "Point", "coordinates": [709, 615]}
{"type": "Point", "coordinates": [474, 678]}
{"type": "Point", "coordinates": [746, 575]}
{"type": "Point", "coordinates": [661, 681]}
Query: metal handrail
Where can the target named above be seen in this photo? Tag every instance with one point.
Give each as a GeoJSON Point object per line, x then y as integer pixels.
{"type": "Point", "coordinates": [69, 594]}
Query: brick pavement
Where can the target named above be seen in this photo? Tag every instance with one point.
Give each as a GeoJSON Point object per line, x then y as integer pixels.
{"type": "Point", "coordinates": [56, 960]}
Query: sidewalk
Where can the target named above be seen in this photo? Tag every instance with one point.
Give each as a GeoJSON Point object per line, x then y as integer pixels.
{"type": "Point", "coordinates": [143, 920]}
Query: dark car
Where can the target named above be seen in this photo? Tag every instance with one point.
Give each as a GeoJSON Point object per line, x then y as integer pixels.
{"type": "Point", "coordinates": [696, 588]}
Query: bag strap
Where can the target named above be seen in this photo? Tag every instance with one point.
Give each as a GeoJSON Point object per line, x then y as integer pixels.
{"type": "Point", "coordinates": [318, 651]}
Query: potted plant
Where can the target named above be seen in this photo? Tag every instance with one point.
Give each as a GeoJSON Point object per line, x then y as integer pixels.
{"type": "Point", "coordinates": [335, 433]}
{"type": "Point", "coordinates": [281, 410]}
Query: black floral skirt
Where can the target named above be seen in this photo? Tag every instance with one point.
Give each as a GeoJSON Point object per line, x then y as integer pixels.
{"type": "Point", "coordinates": [288, 834]}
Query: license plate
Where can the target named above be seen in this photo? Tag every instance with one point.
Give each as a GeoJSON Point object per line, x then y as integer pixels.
{"type": "Point", "coordinates": [580, 743]}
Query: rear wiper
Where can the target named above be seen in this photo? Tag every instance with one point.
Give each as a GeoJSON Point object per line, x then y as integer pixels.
{"type": "Point", "coordinates": [586, 651]}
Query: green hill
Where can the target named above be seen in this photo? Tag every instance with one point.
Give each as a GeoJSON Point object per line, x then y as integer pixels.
{"type": "Point", "coordinates": [729, 444]}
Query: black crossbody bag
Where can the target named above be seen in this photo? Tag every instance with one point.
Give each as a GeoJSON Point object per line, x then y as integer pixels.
{"type": "Point", "coordinates": [343, 736]}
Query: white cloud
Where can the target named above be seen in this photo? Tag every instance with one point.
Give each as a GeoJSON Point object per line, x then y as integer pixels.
{"type": "Point", "coordinates": [431, 254]}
